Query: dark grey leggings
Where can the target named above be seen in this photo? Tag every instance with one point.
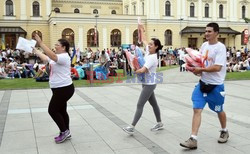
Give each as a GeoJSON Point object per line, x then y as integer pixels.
{"type": "Point", "coordinates": [147, 94]}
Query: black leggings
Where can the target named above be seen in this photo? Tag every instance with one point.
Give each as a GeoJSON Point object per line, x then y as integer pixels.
{"type": "Point", "coordinates": [58, 106]}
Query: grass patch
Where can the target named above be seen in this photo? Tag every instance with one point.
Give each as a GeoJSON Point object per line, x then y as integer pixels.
{"type": "Point", "coordinates": [29, 83]}
{"type": "Point", "coordinates": [238, 75]}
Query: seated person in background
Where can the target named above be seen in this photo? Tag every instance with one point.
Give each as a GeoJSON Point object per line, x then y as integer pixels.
{"type": "Point", "coordinates": [236, 67]}
{"type": "Point", "coordinates": [74, 73]}
{"type": "Point", "coordinates": [104, 59]}
{"type": "Point", "coordinates": [3, 74]}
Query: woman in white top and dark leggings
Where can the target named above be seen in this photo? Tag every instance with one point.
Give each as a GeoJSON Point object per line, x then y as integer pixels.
{"type": "Point", "coordinates": [60, 83]}
{"type": "Point", "coordinates": [148, 84]}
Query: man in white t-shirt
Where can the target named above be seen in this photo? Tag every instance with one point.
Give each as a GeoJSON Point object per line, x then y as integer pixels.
{"type": "Point", "coordinates": [210, 89]}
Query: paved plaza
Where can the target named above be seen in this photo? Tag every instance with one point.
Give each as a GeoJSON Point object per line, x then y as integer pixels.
{"type": "Point", "coordinates": [97, 115]}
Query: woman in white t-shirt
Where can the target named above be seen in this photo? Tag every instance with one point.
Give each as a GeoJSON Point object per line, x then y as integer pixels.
{"type": "Point", "coordinates": [60, 83]}
{"type": "Point", "coordinates": [148, 84]}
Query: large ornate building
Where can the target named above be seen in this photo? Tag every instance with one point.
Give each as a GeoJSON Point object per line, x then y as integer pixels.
{"type": "Point", "coordinates": [110, 23]}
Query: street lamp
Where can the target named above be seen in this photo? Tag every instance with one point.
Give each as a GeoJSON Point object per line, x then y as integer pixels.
{"type": "Point", "coordinates": [96, 16]}
{"type": "Point", "coordinates": [180, 32]}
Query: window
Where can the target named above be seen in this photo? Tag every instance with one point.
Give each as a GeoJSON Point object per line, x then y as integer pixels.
{"type": "Point", "coordinates": [243, 10]}
{"type": "Point", "coordinates": [168, 37]}
{"type": "Point", "coordinates": [38, 33]}
{"type": "Point", "coordinates": [221, 11]}
{"type": "Point", "coordinates": [134, 9]}
{"type": "Point", "coordinates": [95, 11]}
{"type": "Point", "coordinates": [92, 38]}
{"type": "Point", "coordinates": [76, 11]}
{"type": "Point", "coordinates": [36, 9]}
{"type": "Point", "coordinates": [113, 12]}
{"type": "Point", "coordinates": [126, 7]}
{"type": "Point", "coordinates": [69, 35]}
{"type": "Point", "coordinates": [115, 38]}
{"type": "Point", "coordinates": [142, 5]}
{"type": "Point", "coordinates": [168, 8]}
{"type": "Point", "coordinates": [207, 11]}
{"type": "Point", "coordinates": [57, 10]}
{"type": "Point", "coordinates": [192, 10]}
{"type": "Point", "coordinates": [9, 8]}
{"type": "Point", "coordinates": [135, 37]}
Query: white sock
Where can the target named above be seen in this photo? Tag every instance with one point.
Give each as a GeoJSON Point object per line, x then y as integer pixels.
{"type": "Point", "coordinates": [194, 137]}
{"type": "Point", "coordinates": [224, 129]}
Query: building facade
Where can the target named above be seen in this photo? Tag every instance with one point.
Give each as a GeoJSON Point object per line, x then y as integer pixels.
{"type": "Point", "coordinates": [110, 23]}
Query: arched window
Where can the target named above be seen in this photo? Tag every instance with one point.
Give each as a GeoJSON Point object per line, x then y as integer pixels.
{"type": "Point", "coordinates": [9, 8]}
{"type": "Point", "coordinates": [57, 10]}
{"type": "Point", "coordinates": [207, 10]}
{"type": "Point", "coordinates": [95, 11]}
{"type": "Point", "coordinates": [115, 38]}
{"type": "Point", "coordinates": [134, 9]}
{"type": "Point", "coordinates": [192, 10]}
{"type": "Point", "coordinates": [36, 9]}
{"type": "Point", "coordinates": [69, 35]}
{"type": "Point", "coordinates": [142, 5]}
{"type": "Point", "coordinates": [168, 37]}
{"type": "Point", "coordinates": [135, 37]}
{"type": "Point", "coordinates": [76, 11]}
{"type": "Point", "coordinates": [221, 11]}
{"type": "Point", "coordinates": [38, 33]}
{"type": "Point", "coordinates": [168, 8]}
{"type": "Point", "coordinates": [92, 38]}
{"type": "Point", "coordinates": [126, 7]}
{"type": "Point", "coordinates": [113, 12]}
{"type": "Point", "coordinates": [243, 10]}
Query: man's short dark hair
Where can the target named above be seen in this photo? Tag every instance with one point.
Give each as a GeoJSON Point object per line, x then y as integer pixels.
{"type": "Point", "coordinates": [215, 26]}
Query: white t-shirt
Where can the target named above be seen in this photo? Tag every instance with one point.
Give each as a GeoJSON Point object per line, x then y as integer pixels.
{"type": "Point", "coordinates": [104, 57]}
{"type": "Point", "coordinates": [60, 71]}
{"type": "Point", "coordinates": [216, 56]}
{"type": "Point", "coordinates": [151, 63]}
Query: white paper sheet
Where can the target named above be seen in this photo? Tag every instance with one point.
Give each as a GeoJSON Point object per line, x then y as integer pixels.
{"type": "Point", "coordinates": [26, 45]}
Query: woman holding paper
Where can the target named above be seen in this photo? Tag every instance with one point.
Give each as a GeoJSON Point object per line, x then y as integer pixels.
{"type": "Point", "coordinates": [149, 83]}
{"type": "Point", "coordinates": [60, 83]}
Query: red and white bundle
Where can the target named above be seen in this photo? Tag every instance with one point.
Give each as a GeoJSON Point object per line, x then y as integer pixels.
{"type": "Point", "coordinates": [193, 59]}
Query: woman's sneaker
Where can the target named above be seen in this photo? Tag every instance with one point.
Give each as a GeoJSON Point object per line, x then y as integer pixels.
{"type": "Point", "coordinates": [68, 137]}
{"type": "Point", "coordinates": [62, 137]}
{"type": "Point", "coordinates": [130, 130]}
{"type": "Point", "coordinates": [191, 143]}
{"type": "Point", "coordinates": [157, 127]}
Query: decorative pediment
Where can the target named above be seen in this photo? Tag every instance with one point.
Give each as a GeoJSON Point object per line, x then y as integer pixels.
{"type": "Point", "coordinates": [57, 5]}
{"type": "Point", "coordinates": [207, 1]}
{"type": "Point", "coordinates": [95, 7]}
{"type": "Point", "coordinates": [76, 6]}
{"type": "Point", "coordinates": [244, 2]}
{"type": "Point", "coordinates": [192, 1]}
{"type": "Point", "coordinates": [114, 7]}
{"type": "Point", "coordinates": [221, 1]}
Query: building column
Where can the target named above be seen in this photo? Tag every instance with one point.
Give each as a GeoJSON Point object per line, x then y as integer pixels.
{"type": "Point", "coordinates": [80, 38]}
{"type": "Point", "coordinates": [200, 13]}
{"type": "Point", "coordinates": [235, 10]}
{"type": "Point", "coordinates": [157, 10]}
{"type": "Point", "coordinates": [48, 7]}
{"type": "Point", "coordinates": [214, 10]}
{"type": "Point", "coordinates": [184, 6]}
{"type": "Point", "coordinates": [178, 9]}
{"type": "Point", "coordinates": [104, 38]}
{"type": "Point", "coordinates": [23, 10]}
{"type": "Point", "coordinates": [127, 35]}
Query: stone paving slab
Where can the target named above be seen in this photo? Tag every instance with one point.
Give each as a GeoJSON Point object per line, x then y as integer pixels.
{"type": "Point", "coordinates": [97, 115]}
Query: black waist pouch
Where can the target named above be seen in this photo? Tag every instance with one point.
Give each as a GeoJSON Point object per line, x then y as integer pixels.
{"type": "Point", "coordinates": [206, 88]}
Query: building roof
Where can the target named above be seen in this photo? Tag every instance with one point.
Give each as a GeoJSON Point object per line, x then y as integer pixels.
{"type": "Point", "coordinates": [15, 30]}
{"type": "Point", "coordinates": [223, 30]}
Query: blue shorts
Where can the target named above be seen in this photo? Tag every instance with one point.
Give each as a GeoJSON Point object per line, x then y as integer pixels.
{"type": "Point", "coordinates": [215, 98]}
